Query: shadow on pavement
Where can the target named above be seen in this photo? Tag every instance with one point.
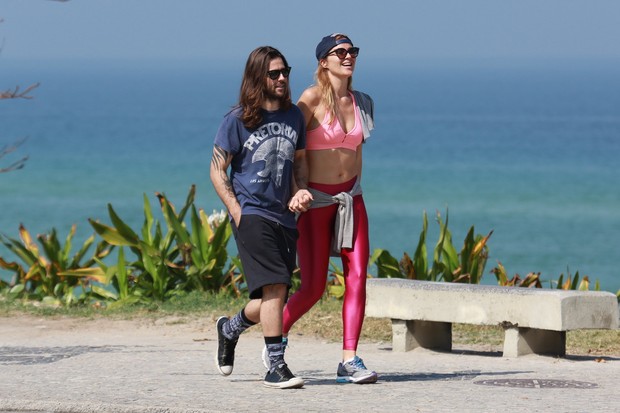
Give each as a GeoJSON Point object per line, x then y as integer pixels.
{"type": "Point", "coordinates": [413, 377]}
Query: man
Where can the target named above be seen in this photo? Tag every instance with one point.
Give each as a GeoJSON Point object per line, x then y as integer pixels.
{"type": "Point", "coordinates": [262, 140]}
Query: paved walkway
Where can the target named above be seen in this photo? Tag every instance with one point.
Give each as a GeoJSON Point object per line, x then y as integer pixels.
{"type": "Point", "coordinates": [167, 366]}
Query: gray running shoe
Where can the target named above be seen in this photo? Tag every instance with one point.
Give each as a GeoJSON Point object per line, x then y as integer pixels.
{"type": "Point", "coordinates": [282, 378]}
{"type": "Point", "coordinates": [225, 356]}
{"type": "Point", "coordinates": [265, 355]}
{"type": "Point", "coordinates": [355, 371]}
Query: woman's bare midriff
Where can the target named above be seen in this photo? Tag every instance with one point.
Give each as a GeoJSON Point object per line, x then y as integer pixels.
{"type": "Point", "coordinates": [331, 166]}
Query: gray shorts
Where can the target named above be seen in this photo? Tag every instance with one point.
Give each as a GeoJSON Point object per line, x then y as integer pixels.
{"type": "Point", "coordinates": [268, 252]}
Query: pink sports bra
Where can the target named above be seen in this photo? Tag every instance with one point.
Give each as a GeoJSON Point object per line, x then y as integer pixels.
{"type": "Point", "coordinates": [331, 136]}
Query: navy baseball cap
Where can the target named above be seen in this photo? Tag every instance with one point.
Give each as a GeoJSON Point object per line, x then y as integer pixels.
{"type": "Point", "coordinates": [328, 42]}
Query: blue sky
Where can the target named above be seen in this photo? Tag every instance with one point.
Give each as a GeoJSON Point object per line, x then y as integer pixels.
{"type": "Point", "coordinates": [402, 30]}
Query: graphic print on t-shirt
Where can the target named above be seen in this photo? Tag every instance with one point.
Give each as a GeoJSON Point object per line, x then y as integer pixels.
{"type": "Point", "coordinates": [272, 146]}
{"type": "Point", "coordinates": [275, 153]}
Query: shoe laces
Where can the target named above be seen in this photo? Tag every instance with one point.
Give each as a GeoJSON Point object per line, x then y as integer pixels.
{"type": "Point", "coordinates": [358, 363]}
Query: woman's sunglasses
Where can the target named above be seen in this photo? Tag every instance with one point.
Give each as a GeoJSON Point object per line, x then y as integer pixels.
{"type": "Point", "coordinates": [275, 74]}
{"type": "Point", "coordinates": [341, 52]}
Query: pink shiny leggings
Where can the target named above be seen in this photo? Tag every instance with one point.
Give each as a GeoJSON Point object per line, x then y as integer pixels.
{"type": "Point", "coordinates": [313, 248]}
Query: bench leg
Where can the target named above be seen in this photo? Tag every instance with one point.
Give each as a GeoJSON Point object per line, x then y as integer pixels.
{"type": "Point", "coordinates": [522, 341]}
{"type": "Point", "coordinates": [407, 335]}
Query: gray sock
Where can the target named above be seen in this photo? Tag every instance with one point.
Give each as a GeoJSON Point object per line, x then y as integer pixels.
{"type": "Point", "coordinates": [275, 352]}
{"type": "Point", "coordinates": [233, 328]}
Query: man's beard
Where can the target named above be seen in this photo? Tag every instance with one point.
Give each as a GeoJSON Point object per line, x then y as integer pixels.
{"type": "Point", "coordinates": [270, 94]}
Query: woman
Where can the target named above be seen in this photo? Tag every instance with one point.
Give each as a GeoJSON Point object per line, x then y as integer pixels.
{"type": "Point", "coordinates": [338, 121]}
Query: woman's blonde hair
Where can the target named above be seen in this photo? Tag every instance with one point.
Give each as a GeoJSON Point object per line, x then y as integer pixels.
{"type": "Point", "coordinates": [325, 87]}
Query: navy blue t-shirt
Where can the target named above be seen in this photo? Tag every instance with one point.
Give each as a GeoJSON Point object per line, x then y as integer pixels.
{"type": "Point", "coordinates": [262, 164]}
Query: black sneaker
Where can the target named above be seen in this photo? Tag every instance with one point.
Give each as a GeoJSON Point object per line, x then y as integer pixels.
{"type": "Point", "coordinates": [282, 378]}
{"type": "Point", "coordinates": [225, 357]}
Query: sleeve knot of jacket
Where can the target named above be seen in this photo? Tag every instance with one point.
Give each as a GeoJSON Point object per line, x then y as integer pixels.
{"type": "Point", "coordinates": [342, 236]}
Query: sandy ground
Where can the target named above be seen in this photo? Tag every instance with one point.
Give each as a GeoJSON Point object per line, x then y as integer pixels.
{"type": "Point", "coordinates": [166, 365]}
{"type": "Point", "coordinates": [24, 327]}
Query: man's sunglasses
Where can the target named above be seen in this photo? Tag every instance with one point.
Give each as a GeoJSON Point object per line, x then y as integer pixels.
{"type": "Point", "coordinates": [341, 52]}
{"type": "Point", "coordinates": [275, 74]}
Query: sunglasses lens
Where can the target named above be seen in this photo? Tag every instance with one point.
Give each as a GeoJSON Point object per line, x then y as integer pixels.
{"type": "Point", "coordinates": [341, 53]}
{"type": "Point", "coordinates": [275, 74]}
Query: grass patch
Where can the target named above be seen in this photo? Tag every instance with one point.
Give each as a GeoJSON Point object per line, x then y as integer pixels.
{"type": "Point", "coordinates": [595, 342]}
{"type": "Point", "coordinates": [578, 342]}
{"type": "Point", "coordinates": [195, 303]}
{"type": "Point", "coordinates": [324, 321]}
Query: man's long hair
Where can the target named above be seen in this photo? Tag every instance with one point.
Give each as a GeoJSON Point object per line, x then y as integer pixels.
{"type": "Point", "coordinates": [254, 84]}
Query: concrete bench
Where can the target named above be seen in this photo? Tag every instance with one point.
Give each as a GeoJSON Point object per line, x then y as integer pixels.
{"type": "Point", "coordinates": [534, 320]}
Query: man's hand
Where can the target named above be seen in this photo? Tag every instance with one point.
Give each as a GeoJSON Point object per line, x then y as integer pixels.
{"type": "Point", "coordinates": [301, 201]}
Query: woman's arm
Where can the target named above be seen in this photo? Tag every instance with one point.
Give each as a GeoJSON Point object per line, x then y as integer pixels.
{"type": "Point", "coordinates": [309, 102]}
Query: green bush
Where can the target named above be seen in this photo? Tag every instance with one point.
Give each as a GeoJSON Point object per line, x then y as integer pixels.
{"type": "Point", "coordinates": [165, 259]}
{"type": "Point", "coordinates": [187, 252]}
{"type": "Point", "coordinates": [173, 259]}
{"type": "Point", "coordinates": [447, 265]}
{"type": "Point", "coordinates": [50, 274]}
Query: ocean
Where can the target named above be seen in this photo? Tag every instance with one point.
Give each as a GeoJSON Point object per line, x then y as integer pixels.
{"type": "Point", "coordinates": [528, 150]}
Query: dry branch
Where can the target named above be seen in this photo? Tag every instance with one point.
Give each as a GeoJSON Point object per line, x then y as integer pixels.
{"type": "Point", "coordinates": [15, 93]}
{"type": "Point", "coordinates": [7, 149]}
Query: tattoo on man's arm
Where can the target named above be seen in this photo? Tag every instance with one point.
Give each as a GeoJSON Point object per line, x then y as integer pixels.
{"type": "Point", "coordinates": [220, 160]}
